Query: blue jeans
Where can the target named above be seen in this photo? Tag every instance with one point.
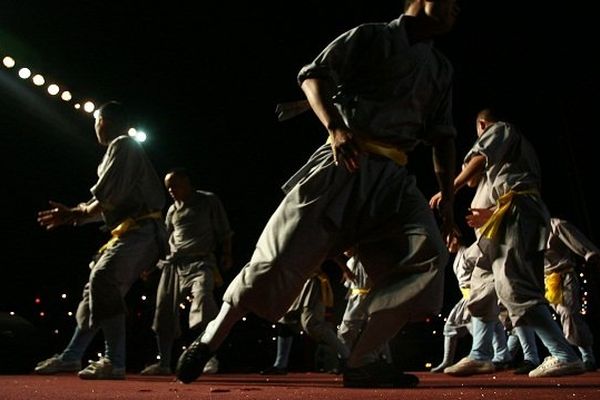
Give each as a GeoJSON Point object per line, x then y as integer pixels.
{"type": "Point", "coordinates": [114, 341]}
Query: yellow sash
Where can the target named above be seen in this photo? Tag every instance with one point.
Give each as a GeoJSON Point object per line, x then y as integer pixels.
{"type": "Point", "coordinates": [466, 292]}
{"type": "Point", "coordinates": [128, 225]}
{"type": "Point", "coordinates": [359, 292]}
{"type": "Point", "coordinates": [553, 288]}
{"type": "Point", "coordinates": [326, 290]}
{"type": "Point", "coordinates": [383, 149]}
{"type": "Point", "coordinates": [491, 227]}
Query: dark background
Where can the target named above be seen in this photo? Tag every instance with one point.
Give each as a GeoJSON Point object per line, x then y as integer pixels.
{"type": "Point", "coordinates": [202, 79]}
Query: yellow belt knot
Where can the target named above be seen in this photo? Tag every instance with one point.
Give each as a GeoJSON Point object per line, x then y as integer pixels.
{"type": "Point", "coordinates": [127, 225]}
{"type": "Point", "coordinates": [492, 225]}
{"type": "Point", "coordinates": [466, 293]}
{"type": "Point", "coordinates": [359, 291]}
{"type": "Point", "coordinates": [553, 283]}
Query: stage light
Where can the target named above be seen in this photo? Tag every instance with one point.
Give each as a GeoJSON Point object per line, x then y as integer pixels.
{"type": "Point", "coordinates": [38, 80]}
{"type": "Point", "coordinates": [53, 89]}
{"type": "Point", "coordinates": [24, 73]}
{"type": "Point", "coordinates": [77, 106]}
{"type": "Point", "coordinates": [89, 107]}
{"type": "Point", "coordinates": [66, 95]}
{"type": "Point", "coordinates": [132, 132]}
{"type": "Point", "coordinates": [96, 113]}
{"type": "Point", "coordinates": [8, 62]}
{"type": "Point", "coordinates": [141, 136]}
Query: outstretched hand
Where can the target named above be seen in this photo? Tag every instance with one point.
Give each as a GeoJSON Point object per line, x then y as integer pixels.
{"type": "Point", "coordinates": [56, 216]}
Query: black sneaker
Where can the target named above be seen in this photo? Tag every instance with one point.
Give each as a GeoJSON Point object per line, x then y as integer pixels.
{"type": "Point", "coordinates": [524, 368]}
{"type": "Point", "coordinates": [192, 361]}
{"type": "Point", "coordinates": [378, 374]}
{"type": "Point", "coordinates": [502, 365]}
{"type": "Point", "coordinates": [274, 371]}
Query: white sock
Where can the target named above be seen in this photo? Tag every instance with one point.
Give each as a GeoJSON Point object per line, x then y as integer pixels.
{"type": "Point", "coordinates": [218, 329]}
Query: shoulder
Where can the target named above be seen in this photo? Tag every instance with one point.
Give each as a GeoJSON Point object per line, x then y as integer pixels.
{"type": "Point", "coordinates": [123, 143]}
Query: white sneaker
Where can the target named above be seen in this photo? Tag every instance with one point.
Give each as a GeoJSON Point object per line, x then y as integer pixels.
{"type": "Point", "coordinates": [552, 366]}
{"type": "Point", "coordinates": [55, 364]}
{"type": "Point", "coordinates": [212, 366]}
{"type": "Point", "coordinates": [102, 369]}
{"type": "Point", "coordinates": [468, 366]}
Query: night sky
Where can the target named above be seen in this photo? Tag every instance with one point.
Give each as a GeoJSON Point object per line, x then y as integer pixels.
{"type": "Point", "coordinates": [203, 78]}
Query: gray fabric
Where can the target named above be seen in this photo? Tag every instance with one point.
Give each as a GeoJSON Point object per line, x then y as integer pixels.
{"type": "Point", "coordinates": [512, 261]}
{"type": "Point", "coordinates": [330, 210]}
{"type": "Point", "coordinates": [310, 296]}
{"type": "Point", "coordinates": [127, 185]}
{"type": "Point", "coordinates": [511, 161]}
{"type": "Point", "coordinates": [308, 313]}
{"type": "Point", "coordinates": [567, 249]}
{"type": "Point", "coordinates": [117, 268]}
{"type": "Point", "coordinates": [197, 227]}
{"type": "Point", "coordinates": [574, 327]}
{"type": "Point", "coordinates": [398, 93]}
{"type": "Point", "coordinates": [355, 309]}
{"type": "Point", "coordinates": [389, 89]}
{"type": "Point", "coordinates": [197, 281]}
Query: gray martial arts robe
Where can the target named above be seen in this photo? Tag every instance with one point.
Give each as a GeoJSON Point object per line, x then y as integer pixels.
{"type": "Point", "coordinates": [567, 247]}
{"type": "Point", "coordinates": [397, 93]}
{"type": "Point", "coordinates": [512, 260]}
{"type": "Point", "coordinates": [196, 229]}
{"type": "Point", "coordinates": [127, 187]}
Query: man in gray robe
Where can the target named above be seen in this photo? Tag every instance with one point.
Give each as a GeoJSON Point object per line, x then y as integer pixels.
{"type": "Point", "coordinates": [129, 198]}
{"type": "Point", "coordinates": [198, 227]}
{"type": "Point", "coordinates": [512, 237]}
{"type": "Point", "coordinates": [380, 90]}
{"type": "Point", "coordinates": [568, 248]}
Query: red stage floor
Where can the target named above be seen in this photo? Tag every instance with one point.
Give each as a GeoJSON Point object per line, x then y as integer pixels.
{"type": "Point", "coordinates": [298, 386]}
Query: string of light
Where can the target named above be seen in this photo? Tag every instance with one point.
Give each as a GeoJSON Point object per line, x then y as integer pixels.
{"type": "Point", "coordinates": [58, 91]}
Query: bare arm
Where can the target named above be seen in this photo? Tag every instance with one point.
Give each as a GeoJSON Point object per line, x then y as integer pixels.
{"type": "Point", "coordinates": [471, 171]}
{"type": "Point", "coordinates": [345, 150]}
{"type": "Point", "coordinates": [60, 214]}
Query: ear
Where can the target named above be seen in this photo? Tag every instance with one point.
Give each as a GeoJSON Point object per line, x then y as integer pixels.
{"type": "Point", "coordinates": [481, 124]}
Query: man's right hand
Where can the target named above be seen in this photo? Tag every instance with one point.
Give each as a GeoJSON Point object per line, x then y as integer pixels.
{"type": "Point", "coordinates": [345, 149]}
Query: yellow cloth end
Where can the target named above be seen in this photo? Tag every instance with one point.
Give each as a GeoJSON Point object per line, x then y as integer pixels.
{"type": "Point", "coordinates": [466, 293]}
{"type": "Point", "coordinates": [490, 229]}
{"type": "Point", "coordinates": [553, 283]}
{"type": "Point", "coordinates": [359, 292]}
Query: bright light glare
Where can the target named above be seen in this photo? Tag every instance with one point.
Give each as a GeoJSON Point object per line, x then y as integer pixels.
{"type": "Point", "coordinates": [77, 106]}
{"type": "Point", "coordinates": [8, 62]}
{"type": "Point", "coordinates": [38, 80]}
{"type": "Point", "coordinates": [141, 136]}
{"type": "Point", "coordinates": [88, 106]}
{"type": "Point", "coordinates": [132, 132]}
{"type": "Point", "coordinates": [96, 113]}
{"type": "Point", "coordinates": [24, 73]}
{"type": "Point", "coordinates": [53, 89]}
{"type": "Point", "coordinates": [66, 95]}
